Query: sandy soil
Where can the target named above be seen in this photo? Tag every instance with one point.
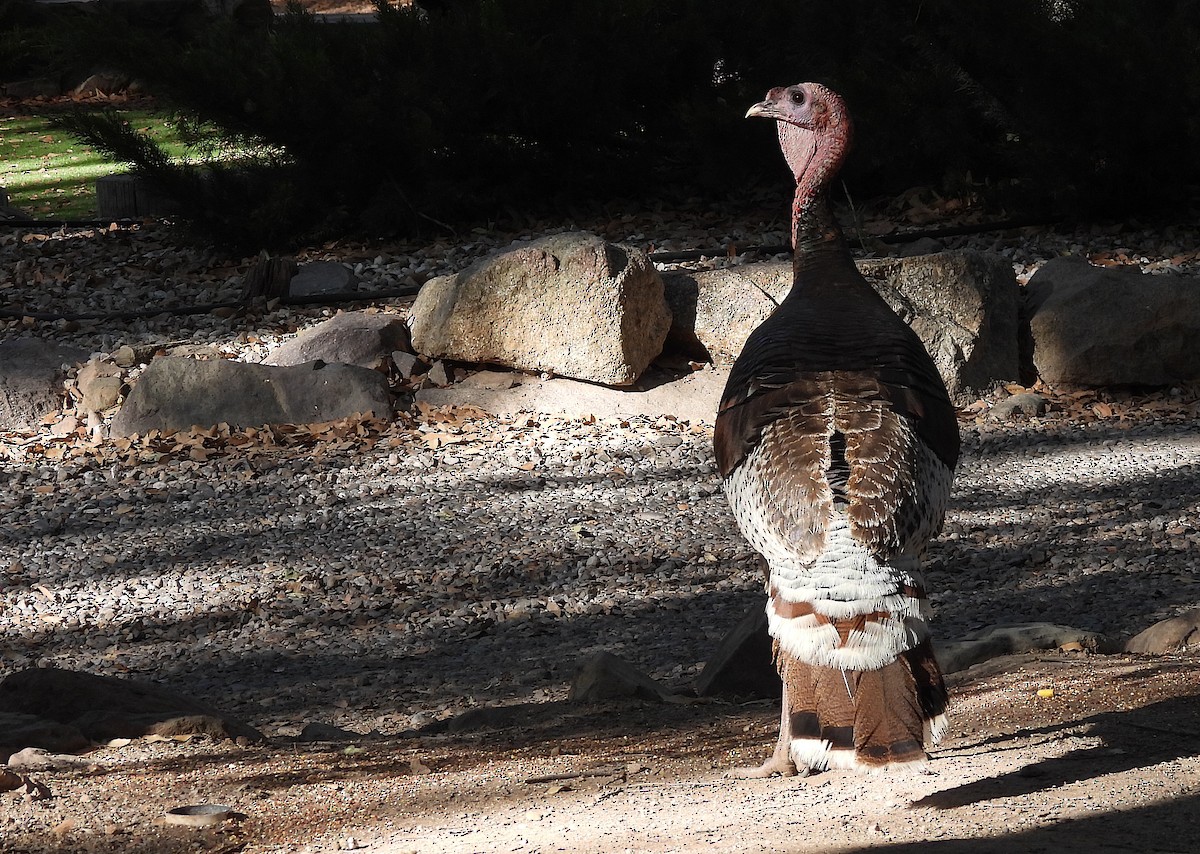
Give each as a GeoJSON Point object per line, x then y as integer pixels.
{"type": "Point", "coordinates": [1108, 763]}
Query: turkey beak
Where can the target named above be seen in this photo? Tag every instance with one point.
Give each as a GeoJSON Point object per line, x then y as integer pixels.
{"type": "Point", "coordinates": [763, 109]}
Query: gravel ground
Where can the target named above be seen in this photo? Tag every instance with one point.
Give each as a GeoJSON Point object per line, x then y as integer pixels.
{"type": "Point", "coordinates": [380, 577]}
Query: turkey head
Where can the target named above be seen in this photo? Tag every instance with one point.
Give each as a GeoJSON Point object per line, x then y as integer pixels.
{"type": "Point", "coordinates": [814, 132]}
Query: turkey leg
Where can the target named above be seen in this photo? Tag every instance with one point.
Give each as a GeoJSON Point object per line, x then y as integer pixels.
{"type": "Point", "coordinates": [781, 759]}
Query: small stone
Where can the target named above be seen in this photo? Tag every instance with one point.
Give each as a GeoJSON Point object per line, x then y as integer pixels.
{"type": "Point", "coordinates": [360, 338]}
{"type": "Point", "coordinates": [441, 374]}
{"type": "Point", "coordinates": [67, 825]}
{"type": "Point", "coordinates": [1027, 405]}
{"type": "Point", "coordinates": [37, 758]}
{"type": "Point", "coordinates": [406, 363]}
{"type": "Point", "coordinates": [321, 278]}
{"type": "Point", "coordinates": [125, 356]}
{"type": "Point", "coordinates": [742, 664]}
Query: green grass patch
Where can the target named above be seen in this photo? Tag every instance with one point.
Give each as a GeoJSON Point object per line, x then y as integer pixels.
{"type": "Point", "coordinates": [51, 175]}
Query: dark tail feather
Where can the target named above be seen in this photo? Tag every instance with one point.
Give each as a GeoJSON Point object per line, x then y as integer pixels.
{"type": "Point", "coordinates": [931, 688]}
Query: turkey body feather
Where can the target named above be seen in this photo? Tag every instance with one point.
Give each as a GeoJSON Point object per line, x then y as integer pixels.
{"type": "Point", "coordinates": [837, 442]}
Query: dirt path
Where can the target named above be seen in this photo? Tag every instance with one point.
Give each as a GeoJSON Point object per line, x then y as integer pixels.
{"type": "Point", "coordinates": [1108, 763]}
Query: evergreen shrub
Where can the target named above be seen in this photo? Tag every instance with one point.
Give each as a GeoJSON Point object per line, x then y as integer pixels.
{"type": "Point", "coordinates": [474, 108]}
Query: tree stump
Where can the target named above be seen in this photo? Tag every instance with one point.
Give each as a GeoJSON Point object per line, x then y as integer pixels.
{"type": "Point", "coordinates": [126, 196]}
{"type": "Point", "coordinates": [268, 277]}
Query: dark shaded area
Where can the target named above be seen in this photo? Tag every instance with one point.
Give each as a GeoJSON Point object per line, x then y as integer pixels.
{"type": "Point", "coordinates": [479, 110]}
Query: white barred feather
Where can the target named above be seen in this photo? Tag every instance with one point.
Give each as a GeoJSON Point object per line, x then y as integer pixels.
{"type": "Point", "coordinates": [817, 754]}
{"type": "Point", "coordinates": [818, 643]}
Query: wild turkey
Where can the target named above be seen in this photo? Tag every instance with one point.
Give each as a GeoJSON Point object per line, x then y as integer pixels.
{"type": "Point", "coordinates": [837, 443]}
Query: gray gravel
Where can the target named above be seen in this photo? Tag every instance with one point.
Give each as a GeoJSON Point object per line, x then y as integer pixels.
{"type": "Point", "coordinates": [396, 583]}
{"type": "Point", "coordinates": [406, 584]}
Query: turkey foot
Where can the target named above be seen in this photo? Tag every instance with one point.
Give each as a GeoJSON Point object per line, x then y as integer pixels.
{"type": "Point", "coordinates": [781, 765]}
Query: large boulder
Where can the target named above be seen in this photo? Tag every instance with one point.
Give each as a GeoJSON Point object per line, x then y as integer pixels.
{"type": "Point", "coordinates": [570, 304]}
{"type": "Point", "coordinates": [743, 664]}
{"type": "Point", "coordinates": [31, 374]}
{"type": "Point", "coordinates": [63, 710]}
{"type": "Point", "coordinates": [963, 306]}
{"type": "Point", "coordinates": [1012, 639]}
{"type": "Point", "coordinates": [1167, 635]}
{"type": "Point", "coordinates": [20, 732]}
{"type": "Point", "coordinates": [604, 676]}
{"type": "Point", "coordinates": [714, 311]}
{"type": "Point", "coordinates": [174, 394]}
{"type": "Point", "coordinates": [362, 338]}
{"type": "Point", "coordinates": [1101, 326]}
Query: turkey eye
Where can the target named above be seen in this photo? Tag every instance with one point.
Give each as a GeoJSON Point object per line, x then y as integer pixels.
{"type": "Point", "coordinates": [797, 97]}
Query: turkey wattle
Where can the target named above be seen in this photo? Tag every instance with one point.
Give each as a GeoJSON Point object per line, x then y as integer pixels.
{"type": "Point", "coordinates": [837, 443]}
